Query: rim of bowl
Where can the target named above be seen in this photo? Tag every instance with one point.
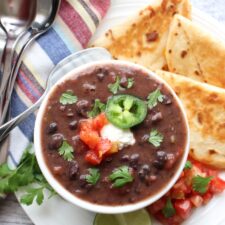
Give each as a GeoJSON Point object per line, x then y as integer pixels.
{"type": "Point", "coordinates": [62, 191]}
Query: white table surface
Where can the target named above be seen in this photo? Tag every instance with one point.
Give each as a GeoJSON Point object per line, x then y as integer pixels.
{"type": "Point", "coordinates": [10, 211]}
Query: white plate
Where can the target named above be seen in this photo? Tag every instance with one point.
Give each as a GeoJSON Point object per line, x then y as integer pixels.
{"type": "Point", "coordinates": [56, 211]}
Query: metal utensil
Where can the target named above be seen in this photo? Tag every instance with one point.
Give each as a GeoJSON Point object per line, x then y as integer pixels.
{"type": "Point", "coordinates": [77, 59]}
{"type": "Point", "coordinates": [45, 16]}
{"type": "Point", "coordinates": [15, 18]}
{"type": "Point", "coordinates": [2, 46]}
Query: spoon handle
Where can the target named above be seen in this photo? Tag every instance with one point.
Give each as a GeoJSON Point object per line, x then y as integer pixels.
{"type": "Point", "coordinates": [7, 127]}
{"type": "Point", "coordinates": [2, 45]}
{"type": "Point", "coordinates": [8, 61]}
{"type": "Point", "coordinates": [15, 70]}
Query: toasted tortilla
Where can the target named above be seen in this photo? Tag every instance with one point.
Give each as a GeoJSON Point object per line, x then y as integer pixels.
{"type": "Point", "coordinates": [196, 53]}
{"type": "Point", "coordinates": [205, 108]}
{"type": "Point", "coordinates": [143, 38]}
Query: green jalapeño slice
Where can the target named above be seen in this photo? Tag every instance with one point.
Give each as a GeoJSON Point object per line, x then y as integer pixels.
{"type": "Point", "coordinates": [125, 111]}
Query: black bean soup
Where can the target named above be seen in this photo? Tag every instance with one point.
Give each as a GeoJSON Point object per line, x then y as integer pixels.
{"type": "Point", "coordinates": [114, 177]}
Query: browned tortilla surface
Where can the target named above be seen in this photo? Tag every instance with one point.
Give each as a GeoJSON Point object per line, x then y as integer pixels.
{"type": "Point", "coordinates": [142, 39]}
{"type": "Point", "coordinates": [205, 108]}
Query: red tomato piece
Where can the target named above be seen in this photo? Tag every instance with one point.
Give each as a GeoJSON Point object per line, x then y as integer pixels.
{"type": "Point", "coordinates": [93, 158]}
{"type": "Point", "coordinates": [157, 206]}
{"type": "Point", "coordinates": [86, 125]}
{"type": "Point", "coordinates": [90, 138]}
{"type": "Point", "coordinates": [174, 220]}
{"type": "Point", "coordinates": [103, 147]}
{"type": "Point", "coordinates": [207, 197]}
{"type": "Point", "coordinates": [99, 122]}
{"type": "Point", "coordinates": [217, 185]}
{"type": "Point", "coordinates": [196, 200]}
{"type": "Point", "coordinates": [183, 208]}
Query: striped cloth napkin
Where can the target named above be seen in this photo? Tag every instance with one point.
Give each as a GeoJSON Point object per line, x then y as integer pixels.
{"type": "Point", "coordinates": [76, 22]}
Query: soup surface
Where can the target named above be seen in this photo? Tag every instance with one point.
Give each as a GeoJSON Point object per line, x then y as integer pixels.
{"type": "Point", "coordinates": [112, 135]}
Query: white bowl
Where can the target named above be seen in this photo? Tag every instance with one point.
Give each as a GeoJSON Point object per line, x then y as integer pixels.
{"type": "Point", "coordinates": [62, 191]}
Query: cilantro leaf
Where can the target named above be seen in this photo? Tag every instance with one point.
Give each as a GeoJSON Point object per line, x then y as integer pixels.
{"type": "Point", "coordinates": [168, 210]}
{"type": "Point", "coordinates": [188, 165]}
{"type": "Point", "coordinates": [27, 172]}
{"type": "Point", "coordinates": [67, 98]}
{"type": "Point", "coordinates": [115, 87]}
{"type": "Point", "coordinates": [121, 176]}
{"type": "Point", "coordinates": [200, 184]}
{"type": "Point", "coordinates": [93, 176]}
{"type": "Point", "coordinates": [11, 180]}
{"type": "Point", "coordinates": [97, 109]}
{"type": "Point", "coordinates": [34, 193]}
{"type": "Point", "coordinates": [5, 170]}
{"type": "Point", "coordinates": [130, 82]}
{"type": "Point", "coordinates": [66, 150]}
{"type": "Point", "coordinates": [155, 138]}
{"type": "Point", "coordinates": [154, 97]}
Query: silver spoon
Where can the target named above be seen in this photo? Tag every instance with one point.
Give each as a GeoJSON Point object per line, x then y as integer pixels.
{"type": "Point", "coordinates": [15, 18]}
{"type": "Point", "coordinates": [45, 16]}
{"type": "Point", "coordinates": [2, 45]}
{"type": "Point", "coordinates": [71, 62]}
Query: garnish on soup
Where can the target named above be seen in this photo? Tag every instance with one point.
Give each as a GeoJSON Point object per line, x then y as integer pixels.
{"type": "Point", "coordinates": [121, 176]}
{"type": "Point", "coordinates": [125, 111]}
{"type": "Point", "coordinates": [68, 98]}
{"type": "Point", "coordinates": [155, 138]}
{"type": "Point", "coordinates": [66, 151]}
{"type": "Point", "coordinates": [93, 176]}
{"type": "Point", "coordinates": [155, 97]}
{"type": "Point", "coordinates": [97, 108]}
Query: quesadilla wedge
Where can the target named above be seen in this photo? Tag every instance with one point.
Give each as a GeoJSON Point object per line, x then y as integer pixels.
{"type": "Point", "coordinates": [205, 108]}
{"type": "Point", "coordinates": [143, 38]}
{"type": "Point", "coordinates": [194, 52]}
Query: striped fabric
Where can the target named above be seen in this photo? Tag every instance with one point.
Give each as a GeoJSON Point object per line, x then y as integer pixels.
{"type": "Point", "coordinates": [76, 22]}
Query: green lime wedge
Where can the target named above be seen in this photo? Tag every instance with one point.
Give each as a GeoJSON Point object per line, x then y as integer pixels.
{"type": "Point", "coordinates": [140, 217]}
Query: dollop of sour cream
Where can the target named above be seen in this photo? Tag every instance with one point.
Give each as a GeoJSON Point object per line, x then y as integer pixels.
{"type": "Point", "coordinates": [122, 137]}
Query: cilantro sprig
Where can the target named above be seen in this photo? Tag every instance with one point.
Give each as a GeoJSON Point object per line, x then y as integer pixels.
{"type": "Point", "coordinates": [97, 108]}
{"type": "Point", "coordinates": [188, 165]}
{"type": "Point", "coordinates": [115, 87]}
{"type": "Point", "coordinates": [168, 210]}
{"type": "Point", "coordinates": [155, 138]}
{"type": "Point", "coordinates": [66, 151]}
{"type": "Point", "coordinates": [154, 97]}
{"type": "Point", "coordinates": [93, 176]}
{"type": "Point", "coordinates": [130, 82]}
{"type": "Point", "coordinates": [200, 184]}
{"type": "Point", "coordinates": [27, 173]}
{"type": "Point", "coordinates": [67, 98]}
{"type": "Point", "coordinates": [121, 176]}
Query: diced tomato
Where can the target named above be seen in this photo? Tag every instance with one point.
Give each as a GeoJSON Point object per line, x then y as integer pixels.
{"type": "Point", "coordinates": [157, 206]}
{"type": "Point", "coordinates": [86, 125]}
{"type": "Point", "coordinates": [183, 208]}
{"type": "Point", "coordinates": [217, 185]}
{"type": "Point", "coordinates": [180, 186]}
{"type": "Point", "coordinates": [103, 147]}
{"type": "Point", "coordinates": [196, 200]}
{"type": "Point", "coordinates": [90, 135]}
{"type": "Point", "coordinates": [93, 158]}
{"type": "Point", "coordinates": [99, 122]}
{"type": "Point", "coordinates": [174, 220]}
{"type": "Point", "coordinates": [207, 197]}
{"type": "Point", "coordinates": [184, 198]}
{"type": "Point", "coordinates": [177, 194]}
{"type": "Point", "coordinates": [90, 138]}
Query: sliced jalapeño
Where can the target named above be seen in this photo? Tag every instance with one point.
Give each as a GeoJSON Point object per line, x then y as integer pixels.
{"type": "Point", "coordinates": [125, 111]}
